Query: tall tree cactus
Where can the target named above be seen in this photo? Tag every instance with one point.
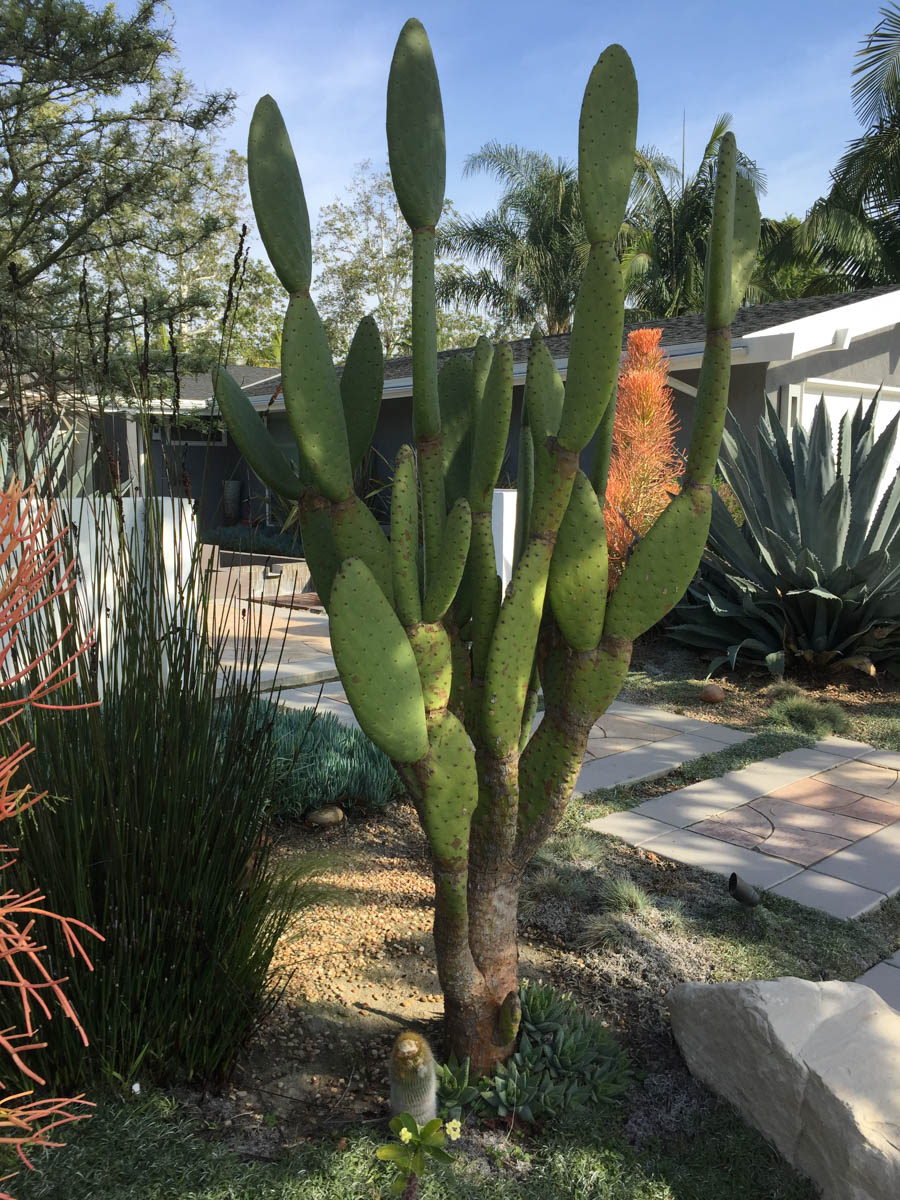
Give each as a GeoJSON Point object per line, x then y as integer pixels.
{"type": "Point", "coordinates": [441, 669]}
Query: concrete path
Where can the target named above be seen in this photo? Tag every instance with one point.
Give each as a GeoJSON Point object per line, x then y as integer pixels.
{"type": "Point", "coordinates": [821, 826]}
{"type": "Point", "coordinates": [293, 644]}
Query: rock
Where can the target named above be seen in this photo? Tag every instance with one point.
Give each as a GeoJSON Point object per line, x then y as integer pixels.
{"type": "Point", "coordinates": [712, 694]}
{"type": "Point", "coordinates": [813, 1066]}
{"type": "Point", "coordinates": [322, 818]}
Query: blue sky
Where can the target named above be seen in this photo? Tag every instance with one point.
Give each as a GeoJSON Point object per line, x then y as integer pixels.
{"type": "Point", "coordinates": [516, 72]}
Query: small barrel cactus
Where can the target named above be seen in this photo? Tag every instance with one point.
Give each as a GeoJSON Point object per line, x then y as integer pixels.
{"type": "Point", "coordinates": [413, 1078]}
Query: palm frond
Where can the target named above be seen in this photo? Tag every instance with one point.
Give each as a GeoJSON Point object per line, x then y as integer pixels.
{"type": "Point", "coordinates": [876, 92]}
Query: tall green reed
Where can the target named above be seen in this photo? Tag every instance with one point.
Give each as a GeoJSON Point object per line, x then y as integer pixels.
{"type": "Point", "coordinates": [154, 827]}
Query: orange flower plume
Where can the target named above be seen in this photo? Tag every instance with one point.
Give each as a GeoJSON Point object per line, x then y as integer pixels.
{"type": "Point", "coordinates": [644, 464]}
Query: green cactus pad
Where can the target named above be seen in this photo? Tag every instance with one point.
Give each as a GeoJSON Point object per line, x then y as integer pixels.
{"type": "Point", "coordinates": [491, 430]}
{"type": "Point", "coordinates": [512, 650]}
{"type": "Point", "coordinates": [362, 384]}
{"type": "Point", "coordinates": [452, 791]}
{"type": "Point", "coordinates": [319, 549]}
{"type": "Point", "coordinates": [578, 569]}
{"type": "Point", "coordinates": [312, 398]}
{"type": "Point", "coordinates": [719, 281]}
{"type": "Point", "coordinates": [405, 538]}
{"type": "Point", "coordinates": [443, 583]}
{"type": "Point", "coordinates": [278, 200]}
{"type": "Point", "coordinates": [661, 566]}
{"type": "Point", "coordinates": [603, 444]}
{"type": "Point", "coordinates": [544, 390]}
{"type": "Point", "coordinates": [252, 438]}
{"type": "Point", "coordinates": [524, 486]}
{"type": "Point", "coordinates": [415, 129]}
{"type": "Point", "coordinates": [358, 535]}
{"type": "Point", "coordinates": [481, 368]}
{"type": "Point", "coordinates": [594, 348]}
{"type": "Point", "coordinates": [376, 664]}
{"type": "Point", "coordinates": [455, 386]}
{"type": "Point", "coordinates": [606, 143]}
{"type": "Point", "coordinates": [431, 646]}
{"type": "Point", "coordinates": [746, 240]}
{"type": "Point", "coordinates": [486, 589]}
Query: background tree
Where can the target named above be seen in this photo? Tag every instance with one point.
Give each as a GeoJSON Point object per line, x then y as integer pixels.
{"type": "Point", "coordinates": [667, 230]}
{"type": "Point", "coordinates": [363, 245]}
{"type": "Point", "coordinates": [852, 235]}
{"type": "Point", "coordinates": [92, 125]}
{"type": "Point", "coordinates": [529, 252]}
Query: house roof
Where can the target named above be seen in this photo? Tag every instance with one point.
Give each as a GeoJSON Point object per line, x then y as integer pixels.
{"type": "Point", "coordinates": [200, 387]}
{"type": "Point", "coordinates": [685, 333]}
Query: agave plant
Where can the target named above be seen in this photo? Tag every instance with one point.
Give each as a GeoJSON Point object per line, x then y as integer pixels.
{"type": "Point", "coordinates": [814, 574]}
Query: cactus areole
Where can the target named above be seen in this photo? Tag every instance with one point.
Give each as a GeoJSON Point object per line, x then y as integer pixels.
{"type": "Point", "coordinates": [442, 671]}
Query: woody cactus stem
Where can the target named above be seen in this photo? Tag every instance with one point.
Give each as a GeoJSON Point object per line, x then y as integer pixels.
{"type": "Point", "coordinates": [441, 670]}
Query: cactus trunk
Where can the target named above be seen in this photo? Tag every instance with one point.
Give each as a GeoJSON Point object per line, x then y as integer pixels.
{"type": "Point", "coordinates": [443, 672]}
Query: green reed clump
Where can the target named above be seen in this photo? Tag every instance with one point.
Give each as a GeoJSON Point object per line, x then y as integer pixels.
{"type": "Point", "coordinates": [159, 813]}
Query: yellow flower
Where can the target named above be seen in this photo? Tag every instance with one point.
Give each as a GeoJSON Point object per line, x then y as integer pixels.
{"type": "Point", "coordinates": [405, 1135]}
{"type": "Point", "coordinates": [453, 1129]}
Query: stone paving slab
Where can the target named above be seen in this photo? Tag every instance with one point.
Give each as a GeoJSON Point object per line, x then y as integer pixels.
{"type": "Point", "coordinates": [845, 747]}
{"type": "Point", "coordinates": [833, 896]}
{"type": "Point", "coordinates": [695, 802]}
{"type": "Point", "coordinates": [721, 857]}
{"type": "Point", "coordinates": [614, 725]}
{"type": "Point", "coordinates": [630, 826]}
{"type": "Point", "coordinates": [866, 778]}
{"type": "Point", "coordinates": [657, 758]}
{"type": "Point", "coordinates": [889, 759]}
{"type": "Point", "coordinates": [300, 698]}
{"type": "Point", "coordinates": [873, 862]}
{"type": "Point", "coordinates": [885, 980]}
{"type": "Point", "coordinates": [792, 824]}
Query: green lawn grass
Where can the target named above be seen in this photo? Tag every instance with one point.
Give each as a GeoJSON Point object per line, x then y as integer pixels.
{"type": "Point", "coordinates": [140, 1151]}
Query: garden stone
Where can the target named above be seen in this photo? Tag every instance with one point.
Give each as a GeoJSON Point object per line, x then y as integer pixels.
{"type": "Point", "coordinates": [324, 818]}
{"type": "Point", "coordinates": [712, 694]}
{"type": "Point", "coordinates": [813, 1066]}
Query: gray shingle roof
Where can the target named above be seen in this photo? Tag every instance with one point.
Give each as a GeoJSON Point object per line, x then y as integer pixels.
{"type": "Point", "coordinates": [200, 387]}
{"type": "Point", "coordinates": [678, 331]}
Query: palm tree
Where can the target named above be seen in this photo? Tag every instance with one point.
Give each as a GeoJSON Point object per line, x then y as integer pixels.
{"type": "Point", "coordinates": [664, 256]}
{"type": "Point", "coordinates": [529, 251]}
{"type": "Point", "coordinates": [853, 233]}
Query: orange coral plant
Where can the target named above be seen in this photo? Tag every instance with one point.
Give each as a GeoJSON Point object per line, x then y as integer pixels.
{"type": "Point", "coordinates": [644, 464]}
{"type": "Point", "coordinates": [33, 576]}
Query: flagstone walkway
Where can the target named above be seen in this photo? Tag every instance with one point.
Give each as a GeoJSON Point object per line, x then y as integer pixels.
{"type": "Point", "coordinates": [628, 743]}
{"type": "Point", "coordinates": [294, 645]}
{"type": "Point", "coordinates": [821, 826]}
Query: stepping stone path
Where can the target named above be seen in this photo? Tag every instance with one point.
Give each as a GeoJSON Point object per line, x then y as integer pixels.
{"type": "Point", "coordinates": [820, 826]}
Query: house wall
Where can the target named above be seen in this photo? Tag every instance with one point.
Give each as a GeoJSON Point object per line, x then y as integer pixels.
{"type": "Point", "coordinates": [200, 472]}
{"type": "Point", "coordinates": [872, 359]}
{"type": "Point", "coordinates": [395, 429]}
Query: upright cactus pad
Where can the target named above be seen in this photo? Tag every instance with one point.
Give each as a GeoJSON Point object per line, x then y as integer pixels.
{"type": "Point", "coordinates": [440, 667]}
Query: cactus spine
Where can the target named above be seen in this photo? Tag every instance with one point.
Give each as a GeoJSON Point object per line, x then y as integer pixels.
{"type": "Point", "coordinates": [441, 670]}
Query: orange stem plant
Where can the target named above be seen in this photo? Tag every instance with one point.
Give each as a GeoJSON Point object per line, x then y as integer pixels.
{"type": "Point", "coordinates": [33, 575]}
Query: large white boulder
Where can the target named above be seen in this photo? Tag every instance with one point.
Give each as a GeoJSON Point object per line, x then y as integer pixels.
{"type": "Point", "coordinates": [815, 1067]}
